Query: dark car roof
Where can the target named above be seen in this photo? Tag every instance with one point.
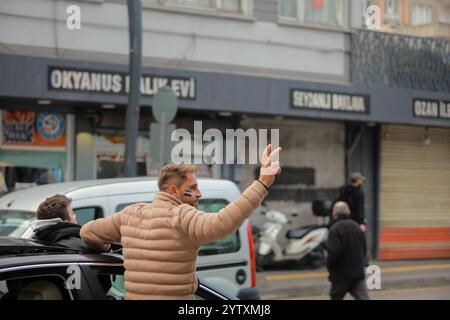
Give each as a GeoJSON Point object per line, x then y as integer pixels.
{"type": "Point", "coordinates": [22, 245]}
{"type": "Point", "coordinates": [10, 242]}
{"type": "Point", "coordinates": [17, 251]}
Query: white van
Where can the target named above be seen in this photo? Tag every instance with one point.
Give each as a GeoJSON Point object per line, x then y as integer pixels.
{"type": "Point", "coordinates": [228, 264]}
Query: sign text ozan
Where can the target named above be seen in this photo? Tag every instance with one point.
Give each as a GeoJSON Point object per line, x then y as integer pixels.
{"type": "Point", "coordinates": [435, 109]}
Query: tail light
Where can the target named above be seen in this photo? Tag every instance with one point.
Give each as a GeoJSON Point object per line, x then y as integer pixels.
{"type": "Point", "coordinates": [251, 248]}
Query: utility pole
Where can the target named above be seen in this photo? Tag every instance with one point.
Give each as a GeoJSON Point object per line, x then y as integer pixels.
{"type": "Point", "coordinates": [132, 117]}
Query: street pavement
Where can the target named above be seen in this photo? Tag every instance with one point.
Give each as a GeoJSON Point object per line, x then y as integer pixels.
{"type": "Point", "coordinates": [425, 279]}
{"type": "Point", "coordinates": [424, 293]}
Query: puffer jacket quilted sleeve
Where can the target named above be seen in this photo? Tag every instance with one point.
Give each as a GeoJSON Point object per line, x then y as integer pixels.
{"type": "Point", "coordinates": [161, 239]}
{"type": "Point", "coordinates": [201, 227]}
{"type": "Point", "coordinates": [99, 234]}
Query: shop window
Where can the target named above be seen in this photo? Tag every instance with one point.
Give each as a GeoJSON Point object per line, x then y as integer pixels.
{"type": "Point", "coordinates": [328, 12]}
{"type": "Point", "coordinates": [225, 6]}
{"type": "Point", "coordinates": [17, 178]}
{"type": "Point", "coordinates": [421, 14]}
{"type": "Point", "coordinates": [110, 152]}
{"type": "Point", "coordinates": [32, 148]}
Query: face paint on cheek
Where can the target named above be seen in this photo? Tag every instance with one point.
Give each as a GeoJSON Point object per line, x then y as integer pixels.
{"type": "Point", "coordinates": [188, 193]}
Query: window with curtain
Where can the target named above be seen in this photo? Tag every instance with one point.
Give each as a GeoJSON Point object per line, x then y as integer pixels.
{"type": "Point", "coordinates": [365, 5]}
{"type": "Point", "coordinates": [392, 12]}
{"type": "Point", "coordinates": [229, 6]}
{"type": "Point", "coordinates": [328, 12]}
{"type": "Point", "coordinates": [421, 14]}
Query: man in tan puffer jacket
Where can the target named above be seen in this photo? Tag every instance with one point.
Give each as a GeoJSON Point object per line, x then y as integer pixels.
{"type": "Point", "coordinates": [160, 240]}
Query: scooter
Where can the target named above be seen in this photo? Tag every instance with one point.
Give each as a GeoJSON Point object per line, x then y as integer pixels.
{"type": "Point", "coordinates": [306, 245]}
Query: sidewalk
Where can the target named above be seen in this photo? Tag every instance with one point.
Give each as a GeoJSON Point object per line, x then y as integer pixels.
{"type": "Point", "coordinates": [290, 282]}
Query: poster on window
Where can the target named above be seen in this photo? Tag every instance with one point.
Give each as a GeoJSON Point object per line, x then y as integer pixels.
{"type": "Point", "coordinates": [33, 129]}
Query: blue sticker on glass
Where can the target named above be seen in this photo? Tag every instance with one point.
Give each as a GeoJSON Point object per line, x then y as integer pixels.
{"type": "Point", "coordinates": [50, 125]}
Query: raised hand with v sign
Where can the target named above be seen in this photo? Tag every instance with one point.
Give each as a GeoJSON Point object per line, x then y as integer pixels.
{"type": "Point", "coordinates": [270, 165]}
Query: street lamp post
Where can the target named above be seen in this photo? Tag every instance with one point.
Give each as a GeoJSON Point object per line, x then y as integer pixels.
{"type": "Point", "coordinates": [132, 117]}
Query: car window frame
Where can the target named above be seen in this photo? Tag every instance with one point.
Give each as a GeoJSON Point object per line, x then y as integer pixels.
{"type": "Point", "coordinates": [91, 275]}
{"type": "Point", "coordinates": [48, 270]}
{"type": "Point", "coordinates": [98, 211]}
{"type": "Point", "coordinates": [226, 202]}
{"type": "Point", "coordinates": [92, 270]}
{"type": "Point", "coordinates": [124, 205]}
{"type": "Point", "coordinates": [237, 234]}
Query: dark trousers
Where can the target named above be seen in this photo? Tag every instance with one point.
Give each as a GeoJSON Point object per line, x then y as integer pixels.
{"type": "Point", "coordinates": [357, 288]}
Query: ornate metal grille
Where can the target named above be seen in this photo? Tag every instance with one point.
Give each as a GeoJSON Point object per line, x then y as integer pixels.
{"type": "Point", "coordinates": [393, 60]}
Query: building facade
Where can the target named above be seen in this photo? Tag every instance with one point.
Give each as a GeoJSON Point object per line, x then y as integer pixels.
{"type": "Point", "coordinates": [293, 65]}
{"type": "Point", "coordinates": [424, 18]}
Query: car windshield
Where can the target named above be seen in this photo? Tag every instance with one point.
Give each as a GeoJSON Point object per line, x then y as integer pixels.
{"type": "Point", "coordinates": [13, 223]}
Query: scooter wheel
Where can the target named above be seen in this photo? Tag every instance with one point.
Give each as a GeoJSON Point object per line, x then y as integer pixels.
{"type": "Point", "coordinates": [262, 261]}
{"type": "Point", "coordinates": [318, 257]}
{"type": "Point", "coordinates": [259, 263]}
{"type": "Point", "coordinates": [315, 263]}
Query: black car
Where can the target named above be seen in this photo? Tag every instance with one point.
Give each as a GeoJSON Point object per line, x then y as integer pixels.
{"type": "Point", "coordinates": [31, 270]}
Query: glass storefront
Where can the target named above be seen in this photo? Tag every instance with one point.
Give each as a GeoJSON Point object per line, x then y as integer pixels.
{"type": "Point", "coordinates": [32, 149]}
{"type": "Point", "coordinates": [110, 153]}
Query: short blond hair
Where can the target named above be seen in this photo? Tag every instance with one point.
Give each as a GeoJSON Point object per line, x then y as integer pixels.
{"type": "Point", "coordinates": [174, 174]}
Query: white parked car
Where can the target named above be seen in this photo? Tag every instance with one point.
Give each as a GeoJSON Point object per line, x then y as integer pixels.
{"type": "Point", "coordinates": [229, 264]}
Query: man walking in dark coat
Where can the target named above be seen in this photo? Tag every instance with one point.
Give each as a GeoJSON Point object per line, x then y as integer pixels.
{"type": "Point", "coordinates": [346, 255]}
{"type": "Point", "coordinates": [353, 195]}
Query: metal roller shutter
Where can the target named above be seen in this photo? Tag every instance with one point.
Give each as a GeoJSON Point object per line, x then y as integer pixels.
{"type": "Point", "coordinates": [415, 193]}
